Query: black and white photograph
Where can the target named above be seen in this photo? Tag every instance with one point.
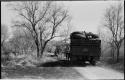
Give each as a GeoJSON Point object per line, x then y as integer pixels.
{"type": "Point", "coordinates": [62, 40]}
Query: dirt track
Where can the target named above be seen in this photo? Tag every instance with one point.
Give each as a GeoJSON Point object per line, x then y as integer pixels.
{"type": "Point", "coordinates": [63, 70]}
{"type": "Point", "coordinates": [95, 72]}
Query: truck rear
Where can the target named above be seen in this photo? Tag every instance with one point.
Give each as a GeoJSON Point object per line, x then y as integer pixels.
{"type": "Point", "coordinates": [84, 49]}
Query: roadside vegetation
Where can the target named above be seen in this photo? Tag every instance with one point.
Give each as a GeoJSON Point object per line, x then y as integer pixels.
{"type": "Point", "coordinates": [113, 42]}
{"type": "Point", "coordinates": [32, 37]}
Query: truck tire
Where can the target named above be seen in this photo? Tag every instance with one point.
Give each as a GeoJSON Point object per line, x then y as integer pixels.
{"type": "Point", "coordinates": [93, 62]}
{"type": "Point", "coordinates": [72, 58]}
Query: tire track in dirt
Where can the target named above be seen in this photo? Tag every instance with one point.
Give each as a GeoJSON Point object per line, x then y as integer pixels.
{"type": "Point", "coordinates": [91, 72]}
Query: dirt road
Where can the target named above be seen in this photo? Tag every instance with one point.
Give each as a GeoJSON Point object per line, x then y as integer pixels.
{"type": "Point", "coordinates": [94, 72]}
{"type": "Point", "coordinates": [62, 69]}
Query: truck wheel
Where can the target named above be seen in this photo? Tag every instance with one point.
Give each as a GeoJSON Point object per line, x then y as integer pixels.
{"type": "Point", "coordinates": [93, 62]}
{"type": "Point", "coordinates": [84, 59]}
{"type": "Point", "coordinates": [72, 58]}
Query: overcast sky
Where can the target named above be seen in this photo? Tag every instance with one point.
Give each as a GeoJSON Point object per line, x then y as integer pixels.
{"type": "Point", "coordinates": [86, 15]}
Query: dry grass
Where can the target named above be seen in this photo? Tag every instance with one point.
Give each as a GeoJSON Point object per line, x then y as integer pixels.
{"type": "Point", "coordinates": [110, 63]}
{"type": "Point", "coordinates": [40, 72]}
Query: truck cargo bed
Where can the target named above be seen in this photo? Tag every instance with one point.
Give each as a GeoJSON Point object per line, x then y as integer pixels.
{"type": "Point", "coordinates": [90, 50]}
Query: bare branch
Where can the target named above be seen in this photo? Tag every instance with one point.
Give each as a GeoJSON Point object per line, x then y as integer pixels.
{"type": "Point", "coordinates": [114, 23]}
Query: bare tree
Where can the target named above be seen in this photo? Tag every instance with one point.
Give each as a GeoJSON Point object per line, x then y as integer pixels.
{"type": "Point", "coordinates": [4, 34]}
{"type": "Point", "coordinates": [42, 19]}
{"type": "Point", "coordinates": [66, 32]}
{"type": "Point", "coordinates": [114, 22]}
{"type": "Point", "coordinates": [105, 44]}
{"type": "Point", "coordinates": [21, 42]}
{"type": "Point", "coordinates": [4, 38]}
{"type": "Point", "coordinates": [4, 47]}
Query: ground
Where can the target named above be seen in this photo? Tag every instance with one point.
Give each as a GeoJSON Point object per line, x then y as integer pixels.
{"type": "Point", "coordinates": [42, 73]}
{"type": "Point", "coordinates": [61, 69]}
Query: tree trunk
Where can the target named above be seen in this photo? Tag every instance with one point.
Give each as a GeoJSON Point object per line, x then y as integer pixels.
{"type": "Point", "coordinates": [38, 49]}
{"type": "Point", "coordinates": [117, 59]}
{"type": "Point", "coordinates": [112, 53]}
{"type": "Point", "coordinates": [42, 50]}
{"type": "Point", "coordinates": [43, 47]}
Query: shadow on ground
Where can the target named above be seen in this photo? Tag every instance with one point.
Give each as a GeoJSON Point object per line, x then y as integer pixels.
{"type": "Point", "coordinates": [49, 70]}
{"type": "Point", "coordinates": [63, 63]}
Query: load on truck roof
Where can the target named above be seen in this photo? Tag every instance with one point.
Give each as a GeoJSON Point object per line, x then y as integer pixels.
{"type": "Point", "coordinates": [83, 35]}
